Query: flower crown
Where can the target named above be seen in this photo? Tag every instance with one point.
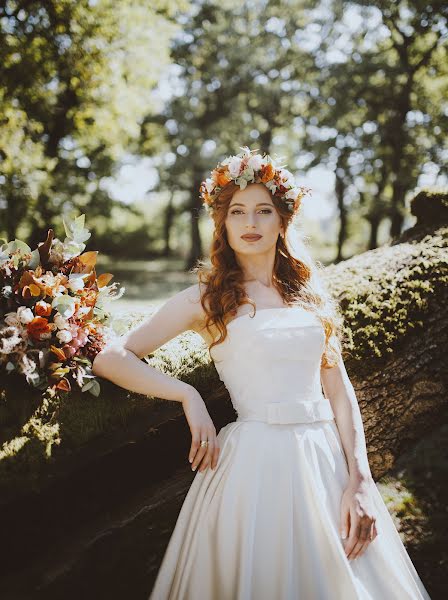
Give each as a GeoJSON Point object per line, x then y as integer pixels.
{"type": "Point", "coordinates": [248, 167]}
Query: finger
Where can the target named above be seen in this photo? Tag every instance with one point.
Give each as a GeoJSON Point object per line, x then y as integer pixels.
{"type": "Point", "coordinates": [197, 459]}
{"type": "Point", "coordinates": [194, 444]}
{"type": "Point", "coordinates": [208, 455]}
{"type": "Point", "coordinates": [212, 452]}
{"type": "Point", "coordinates": [353, 538]}
{"type": "Point", "coordinates": [199, 453]}
{"type": "Point", "coordinates": [202, 450]}
{"type": "Point", "coordinates": [345, 523]}
{"type": "Point", "coordinates": [212, 448]}
{"type": "Point", "coordinates": [364, 540]}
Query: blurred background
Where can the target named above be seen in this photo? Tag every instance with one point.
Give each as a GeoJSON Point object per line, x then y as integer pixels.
{"type": "Point", "coordinates": [119, 109]}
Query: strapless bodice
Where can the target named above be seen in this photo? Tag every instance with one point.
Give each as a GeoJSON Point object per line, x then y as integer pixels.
{"type": "Point", "coordinates": [270, 364]}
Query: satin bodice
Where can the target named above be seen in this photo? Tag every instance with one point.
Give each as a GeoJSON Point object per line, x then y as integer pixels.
{"type": "Point", "coordinates": [270, 364]}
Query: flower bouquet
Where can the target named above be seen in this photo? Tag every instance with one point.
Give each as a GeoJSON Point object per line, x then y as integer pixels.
{"type": "Point", "coordinates": [52, 318]}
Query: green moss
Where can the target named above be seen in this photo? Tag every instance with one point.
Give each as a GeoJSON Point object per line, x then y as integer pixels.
{"type": "Point", "coordinates": [388, 293]}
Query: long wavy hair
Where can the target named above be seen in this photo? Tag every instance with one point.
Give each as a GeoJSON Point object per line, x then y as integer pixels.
{"type": "Point", "coordinates": [296, 276]}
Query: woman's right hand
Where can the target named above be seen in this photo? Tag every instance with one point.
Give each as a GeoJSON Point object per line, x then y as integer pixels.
{"type": "Point", "coordinates": [202, 428]}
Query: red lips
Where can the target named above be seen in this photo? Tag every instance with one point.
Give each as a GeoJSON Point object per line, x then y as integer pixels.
{"type": "Point", "coordinates": [251, 236]}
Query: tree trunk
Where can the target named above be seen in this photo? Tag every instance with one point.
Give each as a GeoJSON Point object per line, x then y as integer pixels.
{"type": "Point", "coordinates": [195, 207]}
{"type": "Point", "coordinates": [342, 234]}
{"type": "Point", "coordinates": [167, 226]}
{"type": "Point", "coordinates": [406, 397]}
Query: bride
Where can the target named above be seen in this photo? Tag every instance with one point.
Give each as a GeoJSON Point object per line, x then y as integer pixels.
{"type": "Point", "coordinates": [283, 505]}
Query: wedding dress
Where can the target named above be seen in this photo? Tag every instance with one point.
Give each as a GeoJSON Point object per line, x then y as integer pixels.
{"type": "Point", "coordinates": [264, 525]}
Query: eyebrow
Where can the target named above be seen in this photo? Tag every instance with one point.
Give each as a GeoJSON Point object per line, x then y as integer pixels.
{"type": "Point", "coordinates": [259, 204]}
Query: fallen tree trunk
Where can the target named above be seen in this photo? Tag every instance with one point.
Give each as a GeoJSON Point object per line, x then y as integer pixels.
{"type": "Point", "coordinates": [395, 305]}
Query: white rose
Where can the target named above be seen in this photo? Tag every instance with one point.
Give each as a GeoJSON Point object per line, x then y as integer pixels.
{"type": "Point", "coordinates": [292, 193]}
{"type": "Point", "coordinates": [59, 291]}
{"type": "Point", "coordinates": [64, 336]}
{"type": "Point", "coordinates": [76, 282]}
{"type": "Point", "coordinates": [25, 315]}
{"type": "Point", "coordinates": [60, 322]}
{"type": "Point", "coordinates": [234, 166]}
{"type": "Point", "coordinates": [287, 177]}
{"type": "Point", "coordinates": [255, 162]}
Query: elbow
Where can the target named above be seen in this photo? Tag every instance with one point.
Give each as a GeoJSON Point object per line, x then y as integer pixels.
{"type": "Point", "coordinates": [107, 360]}
{"type": "Point", "coordinates": [104, 361]}
{"type": "Point", "coordinates": [98, 364]}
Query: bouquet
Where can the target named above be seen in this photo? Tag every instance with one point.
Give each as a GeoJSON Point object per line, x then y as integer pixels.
{"type": "Point", "coordinates": [52, 318]}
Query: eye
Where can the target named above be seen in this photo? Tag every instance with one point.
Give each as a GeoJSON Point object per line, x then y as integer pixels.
{"type": "Point", "coordinates": [235, 211]}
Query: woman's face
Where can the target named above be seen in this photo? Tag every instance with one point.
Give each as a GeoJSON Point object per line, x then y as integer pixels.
{"type": "Point", "coordinates": [251, 211]}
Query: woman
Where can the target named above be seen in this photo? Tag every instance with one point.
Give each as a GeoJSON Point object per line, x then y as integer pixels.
{"type": "Point", "coordinates": [283, 505]}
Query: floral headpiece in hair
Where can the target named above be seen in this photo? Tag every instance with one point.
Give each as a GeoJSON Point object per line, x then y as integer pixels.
{"type": "Point", "coordinates": [248, 167]}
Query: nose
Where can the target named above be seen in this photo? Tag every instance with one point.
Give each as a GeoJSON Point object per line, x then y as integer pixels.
{"type": "Point", "coordinates": [250, 220]}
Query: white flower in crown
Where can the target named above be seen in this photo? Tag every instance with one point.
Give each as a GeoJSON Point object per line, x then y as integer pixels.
{"type": "Point", "coordinates": [234, 166]}
{"type": "Point", "coordinates": [292, 193]}
{"type": "Point", "coordinates": [246, 152]}
{"type": "Point", "coordinates": [209, 184]}
{"type": "Point", "coordinates": [255, 162]}
{"type": "Point", "coordinates": [287, 177]}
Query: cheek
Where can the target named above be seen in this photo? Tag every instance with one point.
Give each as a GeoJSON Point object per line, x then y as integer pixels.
{"type": "Point", "coordinates": [270, 225]}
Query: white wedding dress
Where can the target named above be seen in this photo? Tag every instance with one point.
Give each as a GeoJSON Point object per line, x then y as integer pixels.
{"type": "Point", "coordinates": [264, 525]}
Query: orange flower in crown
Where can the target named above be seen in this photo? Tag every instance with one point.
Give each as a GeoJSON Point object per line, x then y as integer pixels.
{"type": "Point", "coordinates": [250, 167]}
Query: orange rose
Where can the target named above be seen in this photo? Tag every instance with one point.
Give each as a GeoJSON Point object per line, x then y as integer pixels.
{"type": "Point", "coordinates": [223, 179]}
{"type": "Point", "coordinates": [221, 176]}
{"type": "Point", "coordinates": [43, 309]}
{"type": "Point", "coordinates": [267, 173]}
{"type": "Point", "coordinates": [38, 326]}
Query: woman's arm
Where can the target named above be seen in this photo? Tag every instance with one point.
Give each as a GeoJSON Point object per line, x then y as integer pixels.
{"type": "Point", "coordinates": [121, 362]}
{"type": "Point", "coordinates": [341, 394]}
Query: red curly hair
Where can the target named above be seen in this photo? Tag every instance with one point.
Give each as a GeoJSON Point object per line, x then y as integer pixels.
{"type": "Point", "coordinates": [295, 277]}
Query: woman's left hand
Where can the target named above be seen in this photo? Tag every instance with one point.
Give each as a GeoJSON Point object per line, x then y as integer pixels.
{"type": "Point", "coordinates": [358, 517]}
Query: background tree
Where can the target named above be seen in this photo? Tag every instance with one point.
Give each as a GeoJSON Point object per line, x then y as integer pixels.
{"type": "Point", "coordinates": [75, 82]}
{"type": "Point", "coordinates": [379, 107]}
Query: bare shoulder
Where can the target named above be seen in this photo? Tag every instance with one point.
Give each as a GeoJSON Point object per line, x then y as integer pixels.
{"type": "Point", "coordinates": [181, 312]}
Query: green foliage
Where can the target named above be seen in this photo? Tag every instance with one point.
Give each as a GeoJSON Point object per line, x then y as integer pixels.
{"type": "Point", "coordinates": [360, 88]}
{"type": "Point", "coordinates": [75, 85]}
